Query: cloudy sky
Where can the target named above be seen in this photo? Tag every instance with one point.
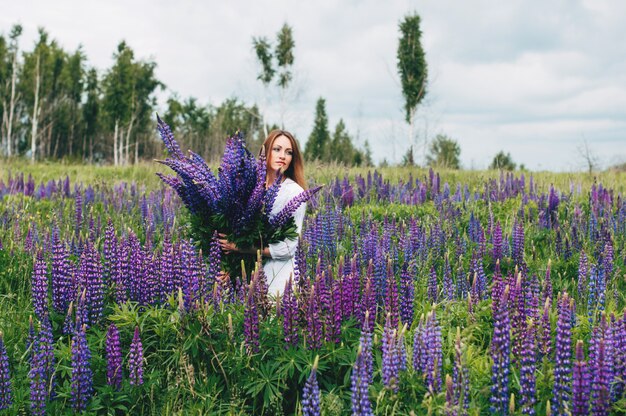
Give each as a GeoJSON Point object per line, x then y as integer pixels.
{"type": "Point", "coordinates": [536, 78]}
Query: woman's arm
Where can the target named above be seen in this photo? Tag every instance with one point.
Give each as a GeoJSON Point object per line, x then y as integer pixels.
{"type": "Point", "coordinates": [286, 249]}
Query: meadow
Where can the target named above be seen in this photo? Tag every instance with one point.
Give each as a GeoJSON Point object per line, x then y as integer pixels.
{"type": "Point", "coordinates": [416, 292]}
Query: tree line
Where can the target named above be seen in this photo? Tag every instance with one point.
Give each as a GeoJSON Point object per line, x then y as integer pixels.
{"type": "Point", "coordinates": [53, 105]}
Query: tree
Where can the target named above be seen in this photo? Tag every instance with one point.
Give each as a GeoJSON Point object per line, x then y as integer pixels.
{"type": "Point", "coordinates": [412, 67]}
{"type": "Point", "coordinates": [589, 158]}
{"type": "Point", "coordinates": [408, 159]}
{"type": "Point", "coordinates": [316, 146]}
{"type": "Point", "coordinates": [9, 99]}
{"type": "Point", "coordinates": [128, 100]}
{"type": "Point", "coordinates": [91, 113]}
{"type": "Point", "coordinates": [502, 161]}
{"type": "Point", "coordinates": [283, 54]}
{"type": "Point", "coordinates": [444, 152]}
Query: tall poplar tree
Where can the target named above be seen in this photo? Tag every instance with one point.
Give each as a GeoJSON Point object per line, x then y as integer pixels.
{"type": "Point", "coordinates": [316, 146]}
{"type": "Point", "coordinates": [412, 67]}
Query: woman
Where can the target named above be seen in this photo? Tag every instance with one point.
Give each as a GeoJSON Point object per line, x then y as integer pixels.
{"type": "Point", "coordinates": [282, 154]}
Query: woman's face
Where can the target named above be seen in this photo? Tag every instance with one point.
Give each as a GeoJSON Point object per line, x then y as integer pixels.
{"type": "Point", "coordinates": [281, 154]}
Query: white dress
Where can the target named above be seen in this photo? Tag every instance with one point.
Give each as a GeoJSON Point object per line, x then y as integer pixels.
{"type": "Point", "coordinates": [280, 266]}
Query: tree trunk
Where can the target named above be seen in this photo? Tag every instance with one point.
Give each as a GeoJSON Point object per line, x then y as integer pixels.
{"type": "Point", "coordinates": [115, 132]}
{"type": "Point", "coordinates": [127, 149]}
{"type": "Point", "coordinates": [11, 105]}
{"type": "Point", "coordinates": [35, 118]}
{"type": "Point", "coordinates": [136, 152]}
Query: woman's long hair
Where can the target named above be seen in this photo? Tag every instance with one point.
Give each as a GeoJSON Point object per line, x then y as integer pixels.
{"type": "Point", "coordinates": [295, 171]}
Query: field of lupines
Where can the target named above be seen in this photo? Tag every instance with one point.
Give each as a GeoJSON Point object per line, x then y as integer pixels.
{"type": "Point", "coordinates": [420, 294]}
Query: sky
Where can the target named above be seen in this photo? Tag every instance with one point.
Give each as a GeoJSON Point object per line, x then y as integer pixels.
{"type": "Point", "coordinates": [539, 79]}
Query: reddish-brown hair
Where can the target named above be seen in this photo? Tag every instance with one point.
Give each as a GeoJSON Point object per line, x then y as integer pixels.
{"type": "Point", "coordinates": [295, 171]}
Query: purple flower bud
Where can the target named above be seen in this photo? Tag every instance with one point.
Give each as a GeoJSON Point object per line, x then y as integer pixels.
{"type": "Point", "coordinates": [311, 393]}
{"type": "Point", "coordinates": [581, 383]}
{"type": "Point", "coordinates": [82, 376]}
{"type": "Point", "coordinates": [5, 377]}
{"type": "Point", "coordinates": [40, 286]}
{"type": "Point", "coordinates": [114, 358]}
{"type": "Point", "coordinates": [135, 360]}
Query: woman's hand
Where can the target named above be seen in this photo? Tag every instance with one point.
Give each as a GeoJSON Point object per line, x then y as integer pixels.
{"type": "Point", "coordinates": [223, 277]}
{"type": "Point", "coordinates": [226, 246]}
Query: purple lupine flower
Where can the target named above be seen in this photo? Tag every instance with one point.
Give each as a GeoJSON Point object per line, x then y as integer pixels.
{"type": "Point", "coordinates": [563, 366]}
{"type": "Point", "coordinates": [135, 360]}
{"type": "Point", "coordinates": [314, 319]}
{"type": "Point", "coordinates": [37, 376]}
{"type": "Point", "coordinates": [434, 355]}
{"type": "Point", "coordinates": [407, 290]}
{"type": "Point", "coordinates": [365, 341]}
{"type": "Point", "coordinates": [91, 277]}
{"type": "Point", "coordinates": [581, 383]}
{"type": "Point", "coordinates": [391, 298]}
{"type": "Point", "coordinates": [497, 242]}
{"type": "Point", "coordinates": [361, 404]}
{"type": "Point", "coordinates": [390, 368]}
{"type": "Point", "coordinates": [544, 336]}
{"type": "Point", "coordinates": [368, 304]}
{"type": "Point", "coordinates": [285, 214]}
{"type": "Point", "coordinates": [114, 358]}
{"type": "Point", "coordinates": [78, 211]}
{"type": "Point", "coordinates": [45, 350]}
{"type": "Point", "coordinates": [448, 285]}
{"type": "Point", "coordinates": [61, 275]}
{"type": "Point", "coordinates": [528, 361]}
{"type": "Point", "coordinates": [82, 375]}
{"type": "Point", "coordinates": [215, 258]}
{"type": "Point", "coordinates": [168, 138]}
{"type": "Point", "coordinates": [600, 386]}
{"type": "Point", "coordinates": [432, 286]}
{"type": "Point", "coordinates": [251, 320]}
{"type": "Point", "coordinates": [311, 393]}
{"type": "Point", "coordinates": [5, 377]}
{"type": "Point", "coordinates": [419, 349]}
{"type": "Point", "coordinates": [40, 286]}
{"type": "Point", "coordinates": [501, 355]}
{"type": "Point", "coordinates": [290, 315]}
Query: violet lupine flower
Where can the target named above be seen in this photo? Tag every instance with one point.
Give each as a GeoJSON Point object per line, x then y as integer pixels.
{"type": "Point", "coordinates": [432, 286]}
{"type": "Point", "coordinates": [391, 298]}
{"type": "Point", "coordinates": [135, 360]}
{"type": "Point", "coordinates": [563, 366]}
{"type": "Point", "coordinates": [311, 393]}
{"type": "Point", "coordinates": [448, 285]}
{"type": "Point", "coordinates": [368, 304]}
{"type": "Point", "coordinates": [114, 358]}
{"type": "Point", "coordinates": [390, 370]}
{"type": "Point", "coordinates": [600, 386]}
{"type": "Point", "coordinates": [365, 341]}
{"type": "Point", "coordinates": [407, 290]}
{"type": "Point", "coordinates": [5, 377]}
{"type": "Point", "coordinates": [45, 349]}
{"type": "Point", "coordinates": [290, 315]}
{"type": "Point", "coordinates": [82, 375]}
{"type": "Point", "coordinates": [434, 355]}
{"type": "Point", "coordinates": [497, 242]}
{"type": "Point", "coordinates": [501, 355]}
{"type": "Point", "coordinates": [40, 286]}
{"type": "Point", "coordinates": [37, 376]}
{"type": "Point", "coordinates": [251, 320]}
{"type": "Point", "coordinates": [544, 336]}
{"type": "Point", "coordinates": [581, 383]}
{"type": "Point", "coordinates": [78, 210]}
{"type": "Point", "coordinates": [285, 214]}
{"type": "Point", "coordinates": [528, 361]}
{"type": "Point", "coordinates": [518, 243]}
{"type": "Point", "coordinates": [61, 275]}
{"type": "Point", "coordinates": [314, 319]}
{"type": "Point", "coordinates": [361, 404]}
{"type": "Point", "coordinates": [91, 276]}
{"type": "Point", "coordinates": [215, 258]}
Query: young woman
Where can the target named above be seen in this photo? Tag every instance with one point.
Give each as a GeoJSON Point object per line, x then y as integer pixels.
{"type": "Point", "coordinates": [282, 154]}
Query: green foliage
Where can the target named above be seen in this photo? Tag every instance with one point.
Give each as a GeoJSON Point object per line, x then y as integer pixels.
{"type": "Point", "coordinates": [444, 152]}
{"type": "Point", "coordinates": [502, 161]}
{"type": "Point", "coordinates": [316, 146]}
{"type": "Point", "coordinates": [412, 64]}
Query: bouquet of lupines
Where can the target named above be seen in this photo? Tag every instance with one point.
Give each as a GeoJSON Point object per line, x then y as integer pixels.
{"type": "Point", "coordinates": [234, 202]}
